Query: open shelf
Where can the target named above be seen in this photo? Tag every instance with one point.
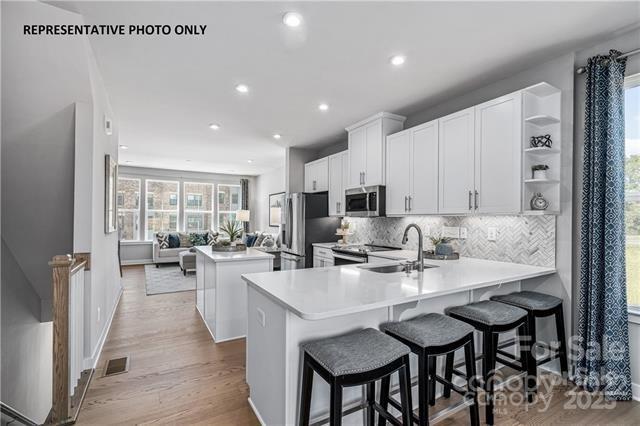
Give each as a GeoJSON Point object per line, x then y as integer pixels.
{"type": "Point", "coordinates": [542, 120]}
{"type": "Point", "coordinates": [542, 89]}
{"type": "Point", "coordinates": [542, 150]}
{"type": "Point", "coordinates": [547, 181]}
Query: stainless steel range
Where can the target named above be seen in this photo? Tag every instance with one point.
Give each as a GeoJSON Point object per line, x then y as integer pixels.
{"type": "Point", "coordinates": [356, 253]}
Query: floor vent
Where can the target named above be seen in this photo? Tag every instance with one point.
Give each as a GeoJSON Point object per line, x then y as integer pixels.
{"type": "Point", "coordinates": [116, 366]}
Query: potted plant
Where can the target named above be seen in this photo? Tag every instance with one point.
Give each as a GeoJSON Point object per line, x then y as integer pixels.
{"type": "Point", "coordinates": [233, 229]}
{"type": "Point", "coordinates": [442, 245]}
{"type": "Point", "coordinates": [539, 171]}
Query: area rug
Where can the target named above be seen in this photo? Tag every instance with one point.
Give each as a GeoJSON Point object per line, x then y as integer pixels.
{"type": "Point", "coordinates": [167, 279]}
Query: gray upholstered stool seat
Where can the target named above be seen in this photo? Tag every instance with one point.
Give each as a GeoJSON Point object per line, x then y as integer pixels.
{"type": "Point", "coordinates": [529, 300]}
{"type": "Point", "coordinates": [356, 352]}
{"type": "Point", "coordinates": [488, 312]}
{"type": "Point", "coordinates": [429, 330]}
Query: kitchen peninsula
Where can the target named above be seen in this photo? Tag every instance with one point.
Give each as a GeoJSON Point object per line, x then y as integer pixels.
{"type": "Point", "coordinates": [288, 308]}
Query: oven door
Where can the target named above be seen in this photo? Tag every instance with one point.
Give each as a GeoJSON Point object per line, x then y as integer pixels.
{"type": "Point", "coordinates": [340, 259]}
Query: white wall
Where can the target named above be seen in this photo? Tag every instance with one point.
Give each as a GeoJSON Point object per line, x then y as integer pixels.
{"type": "Point", "coordinates": [624, 43]}
{"type": "Point", "coordinates": [267, 183]}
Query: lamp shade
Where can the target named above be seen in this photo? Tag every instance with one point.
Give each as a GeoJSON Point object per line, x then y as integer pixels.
{"type": "Point", "coordinates": [243, 215]}
{"type": "Point", "coordinates": [275, 215]}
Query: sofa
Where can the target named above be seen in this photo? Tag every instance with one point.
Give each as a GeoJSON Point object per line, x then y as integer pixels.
{"type": "Point", "coordinates": [180, 241]}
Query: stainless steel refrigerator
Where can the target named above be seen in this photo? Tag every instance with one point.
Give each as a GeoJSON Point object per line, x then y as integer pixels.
{"type": "Point", "coordinates": [306, 221]}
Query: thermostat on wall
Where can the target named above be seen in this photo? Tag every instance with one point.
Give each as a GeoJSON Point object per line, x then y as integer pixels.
{"type": "Point", "coordinates": [108, 126]}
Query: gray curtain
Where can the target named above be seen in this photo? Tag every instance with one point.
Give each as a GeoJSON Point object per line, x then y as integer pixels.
{"type": "Point", "coordinates": [603, 363]}
{"type": "Point", "coordinates": [244, 188]}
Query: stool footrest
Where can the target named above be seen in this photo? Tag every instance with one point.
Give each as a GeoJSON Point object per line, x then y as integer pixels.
{"type": "Point", "coordinates": [454, 387]}
{"type": "Point", "coordinates": [514, 365]}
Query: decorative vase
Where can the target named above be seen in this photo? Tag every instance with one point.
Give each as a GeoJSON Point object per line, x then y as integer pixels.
{"type": "Point", "coordinates": [539, 174]}
{"type": "Point", "coordinates": [444, 249]}
{"type": "Point", "coordinates": [538, 202]}
{"type": "Point", "coordinates": [541, 141]}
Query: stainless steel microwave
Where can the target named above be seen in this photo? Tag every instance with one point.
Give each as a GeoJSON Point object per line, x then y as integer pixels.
{"type": "Point", "coordinates": [367, 201]}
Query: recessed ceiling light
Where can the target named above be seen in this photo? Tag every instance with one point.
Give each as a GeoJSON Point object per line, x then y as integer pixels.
{"type": "Point", "coordinates": [292, 19]}
{"type": "Point", "coordinates": [214, 126]}
{"type": "Point", "coordinates": [249, 161]}
{"type": "Point", "coordinates": [397, 60]}
{"type": "Point", "coordinates": [124, 147]}
{"type": "Point", "coordinates": [242, 88]}
{"type": "Point", "coordinates": [128, 161]}
{"type": "Point", "coordinates": [188, 161]}
{"type": "Point", "coordinates": [277, 136]}
{"type": "Point", "coordinates": [323, 107]}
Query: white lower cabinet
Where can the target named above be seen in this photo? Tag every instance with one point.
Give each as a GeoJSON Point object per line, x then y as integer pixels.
{"type": "Point", "coordinates": [322, 257]}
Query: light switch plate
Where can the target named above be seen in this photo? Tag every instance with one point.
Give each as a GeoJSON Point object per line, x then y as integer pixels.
{"type": "Point", "coordinates": [492, 233]}
{"type": "Point", "coordinates": [463, 232]}
{"type": "Point", "coordinates": [451, 231]}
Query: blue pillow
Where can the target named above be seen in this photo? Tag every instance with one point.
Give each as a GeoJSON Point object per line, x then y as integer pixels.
{"type": "Point", "coordinates": [251, 239]}
{"type": "Point", "coordinates": [174, 241]}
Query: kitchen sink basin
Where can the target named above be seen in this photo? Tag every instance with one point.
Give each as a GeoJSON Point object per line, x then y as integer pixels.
{"type": "Point", "coordinates": [389, 269]}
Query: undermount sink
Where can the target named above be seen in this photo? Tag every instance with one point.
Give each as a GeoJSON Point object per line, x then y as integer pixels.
{"type": "Point", "coordinates": [389, 269]}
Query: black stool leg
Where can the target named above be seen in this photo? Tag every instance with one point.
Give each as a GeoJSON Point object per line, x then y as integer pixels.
{"type": "Point", "coordinates": [371, 400]}
{"type": "Point", "coordinates": [432, 380]}
{"type": "Point", "coordinates": [527, 359]}
{"type": "Point", "coordinates": [470, 363]}
{"type": "Point", "coordinates": [423, 390]}
{"type": "Point", "coordinates": [384, 398]}
{"type": "Point", "coordinates": [448, 374]}
{"type": "Point", "coordinates": [562, 349]}
{"type": "Point", "coordinates": [335, 413]}
{"type": "Point", "coordinates": [307, 385]}
{"type": "Point", "coordinates": [405, 393]}
{"type": "Point", "coordinates": [532, 369]}
{"type": "Point", "coordinates": [489, 347]}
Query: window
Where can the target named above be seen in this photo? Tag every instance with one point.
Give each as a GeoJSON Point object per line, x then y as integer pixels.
{"type": "Point", "coordinates": [632, 188]}
{"type": "Point", "coordinates": [129, 208]}
{"type": "Point", "coordinates": [162, 207]}
{"type": "Point", "coordinates": [229, 200]}
{"type": "Point", "coordinates": [198, 206]}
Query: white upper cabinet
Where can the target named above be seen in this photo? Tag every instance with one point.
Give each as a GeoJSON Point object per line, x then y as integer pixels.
{"type": "Point", "coordinates": [456, 162]}
{"type": "Point", "coordinates": [398, 172]}
{"type": "Point", "coordinates": [316, 175]}
{"type": "Point", "coordinates": [498, 155]}
{"type": "Point", "coordinates": [367, 148]}
{"type": "Point", "coordinates": [338, 167]}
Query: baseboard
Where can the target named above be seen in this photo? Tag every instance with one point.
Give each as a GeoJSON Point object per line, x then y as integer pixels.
{"type": "Point", "coordinates": [256, 412]}
{"type": "Point", "coordinates": [136, 262]}
{"type": "Point", "coordinates": [95, 356]}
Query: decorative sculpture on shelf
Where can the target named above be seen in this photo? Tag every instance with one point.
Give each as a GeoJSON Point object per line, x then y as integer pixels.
{"type": "Point", "coordinates": [541, 141]}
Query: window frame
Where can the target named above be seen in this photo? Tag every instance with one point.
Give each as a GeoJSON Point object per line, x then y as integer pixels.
{"type": "Point", "coordinates": [220, 211]}
{"type": "Point", "coordinates": [210, 212]}
{"type": "Point", "coordinates": [148, 210]}
{"type": "Point", "coordinates": [119, 209]}
{"type": "Point", "coordinates": [632, 81]}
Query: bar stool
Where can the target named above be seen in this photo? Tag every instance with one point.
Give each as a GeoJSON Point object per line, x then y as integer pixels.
{"type": "Point", "coordinates": [430, 336]}
{"type": "Point", "coordinates": [491, 318]}
{"type": "Point", "coordinates": [352, 359]}
{"type": "Point", "coordinates": [538, 305]}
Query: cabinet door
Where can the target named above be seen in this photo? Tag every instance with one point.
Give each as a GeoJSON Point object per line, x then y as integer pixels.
{"type": "Point", "coordinates": [398, 172]}
{"type": "Point", "coordinates": [308, 177]}
{"type": "Point", "coordinates": [456, 162]}
{"type": "Point", "coordinates": [345, 181]}
{"type": "Point", "coordinates": [322, 174]}
{"type": "Point", "coordinates": [336, 193]}
{"type": "Point", "coordinates": [357, 153]}
{"type": "Point", "coordinates": [374, 171]}
{"type": "Point", "coordinates": [317, 262]}
{"type": "Point", "coordinates": [424, 169]}
{"type": "Point", "coordinates": [498, 142]}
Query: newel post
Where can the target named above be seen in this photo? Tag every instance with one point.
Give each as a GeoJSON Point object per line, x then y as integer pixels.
{"type": "Point", "coordinates": [61, 267]}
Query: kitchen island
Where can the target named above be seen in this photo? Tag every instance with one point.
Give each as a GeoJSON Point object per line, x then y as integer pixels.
{"type": "Point", "coordinates": [288, 308]}
{"type": "Point", "coordinates": [221, 294]}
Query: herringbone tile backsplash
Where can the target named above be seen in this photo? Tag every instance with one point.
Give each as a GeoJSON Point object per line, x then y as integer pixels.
{"type": "Point", "coordinates": [529, 240]}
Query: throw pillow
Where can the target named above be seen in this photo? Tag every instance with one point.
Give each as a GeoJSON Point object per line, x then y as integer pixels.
{"type": "Point", "coordinates": [268, 242]}
{"type": "Point", "coordinates": [259, 240]}
{"type": "Point", "coordinates": [212, 238]}
{"type": "Point", "coordinates": [185, 240]}
{"type": "Point", "coordinates": [174, 241]}
{"type": "Point", "coordinates": [163, 240]}
{"type": "Point", "coordinates": [197, 239]}
{"type": "Point", "coordinates": [251, 240]}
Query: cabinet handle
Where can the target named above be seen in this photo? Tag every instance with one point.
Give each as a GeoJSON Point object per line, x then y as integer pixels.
{"type": "Point", "coordinates": [364, 178]}
{"type": "Point", "coordinates": [314, 185]}
{"type": "Point", "coordinates": [337, 207]}
{"type": "Point", "coordinates": [470, 195]}
{"type": "Point", "coordinates": [410, 198]}
{"type": "Point", "coordinates": [476, 199]}
{"type": "Point", "coordinates": [405, 203]}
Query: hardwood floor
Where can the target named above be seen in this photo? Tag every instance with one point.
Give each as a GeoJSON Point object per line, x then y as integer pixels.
{"type": "Point", "coordinates": [177, 375]}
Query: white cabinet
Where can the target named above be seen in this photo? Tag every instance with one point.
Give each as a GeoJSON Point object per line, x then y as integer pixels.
{"type": "Point", "coordinates": [498, 128]}
{"type": "Point", "coordinates": [316, 175]}
{"type": "Point", "coordinates": [322, 257]}
{"type": "Point", "coordinates": [456, 162]}
{"type": "Point", "coordinates": [367, 148]}
{"type": "Point", "coordinates": [338, 175]}
{"type": "Point", "coordinates": [412, 170]}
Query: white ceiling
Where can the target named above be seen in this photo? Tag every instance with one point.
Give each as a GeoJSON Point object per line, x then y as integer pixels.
{"type": "Point", "coordinates": [166, 90]}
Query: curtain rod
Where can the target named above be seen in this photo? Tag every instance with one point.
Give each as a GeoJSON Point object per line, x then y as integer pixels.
{"type": "Point", "coordinates": [582, 70]}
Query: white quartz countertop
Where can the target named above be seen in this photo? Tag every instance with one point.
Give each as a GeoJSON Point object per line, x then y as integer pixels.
{"type": "Point", "coordinates": [320, 293]}
{"type": "Point", "coordinates": [221, 256]}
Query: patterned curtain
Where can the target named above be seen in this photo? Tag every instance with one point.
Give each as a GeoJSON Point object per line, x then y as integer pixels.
{"type": "Point", "coordinates": [244, 188]}
{"type": "Point", "coordinates": [603, 330]}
